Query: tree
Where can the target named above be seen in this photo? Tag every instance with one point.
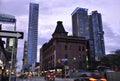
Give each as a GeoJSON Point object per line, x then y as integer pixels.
{"type": "Point", "coordinates": [117, 51]}
{"type": "Point", "coordinates": [112, 60]}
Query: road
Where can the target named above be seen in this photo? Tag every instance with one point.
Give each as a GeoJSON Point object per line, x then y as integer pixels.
{"type": "Point", "coordinates": [41, 79]}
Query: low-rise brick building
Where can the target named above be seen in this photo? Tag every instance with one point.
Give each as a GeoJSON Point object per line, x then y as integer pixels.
{"type": "Point", "coordinates": [63, 50]}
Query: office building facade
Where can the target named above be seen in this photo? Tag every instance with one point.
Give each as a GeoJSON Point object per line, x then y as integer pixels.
{"type": "Point", "coordinates": [95, 23]}
{"type": "Point", "coordinates": [9, 43]}
{"type": "Point", "coordinates": [32, 33]}
{"type": "Point", "coordinates": [90, 27]}
{"type": "Point", "coordinates": [25, 54]}
{"type": "Point", "coordinates": [80, 22]}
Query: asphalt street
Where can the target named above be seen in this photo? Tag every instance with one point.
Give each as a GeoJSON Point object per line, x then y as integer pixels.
{"type": "Point", "coordinates": [41, 79]}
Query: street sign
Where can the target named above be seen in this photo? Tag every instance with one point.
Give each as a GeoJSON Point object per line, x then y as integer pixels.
{"type": "Point", "coordinates": [64, 59]}
{"type": "Point", "coordinates": [11, 34]}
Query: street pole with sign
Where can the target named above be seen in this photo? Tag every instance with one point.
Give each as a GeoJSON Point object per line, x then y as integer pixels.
{"type": "Point", "coordinates": [11, 34]}
{"type": "Point", "coordinates": [11, 63]}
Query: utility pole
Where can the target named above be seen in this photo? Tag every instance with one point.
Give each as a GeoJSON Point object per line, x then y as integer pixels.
{"type": "Point", "coordinates": [11, 63]}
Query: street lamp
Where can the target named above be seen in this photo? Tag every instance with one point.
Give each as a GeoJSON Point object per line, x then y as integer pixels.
{"type": "Point", "coordinates": [74, 58]}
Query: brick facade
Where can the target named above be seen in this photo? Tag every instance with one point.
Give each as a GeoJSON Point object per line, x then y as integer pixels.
{"type": "Point", "coordinates": [62, 48]}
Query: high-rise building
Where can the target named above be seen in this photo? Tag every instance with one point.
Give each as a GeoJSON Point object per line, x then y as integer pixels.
{"type": "Point", "coordinates": [90, 27]}
{"type": "Point", "coordinates": [9, 43]}
{"type": "Point", "coordinates": [97, 34]}
{"type": "Point", "coordinates": [32, 33]}
{"type": "Point", "coordinates": [80, 22]}
{"type": "Point", "coordinates": [25, 54]}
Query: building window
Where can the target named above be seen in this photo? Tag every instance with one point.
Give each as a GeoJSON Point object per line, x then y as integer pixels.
{"type": "Point", "coordinates": [58, 47]}
{"type": "Point", "coordinates": [70, 47]}
{"type": "Point", "coordinates": [65, 47]}
{"type": "Point", "coordinates": [83, 48]}
{"type": "Point", "coordinates": [66, 55]}
{"type": "Point", "coordinates": [79, 48]}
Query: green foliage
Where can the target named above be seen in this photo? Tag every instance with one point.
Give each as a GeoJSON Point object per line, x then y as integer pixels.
{"type": "Point", "coordinates": [112, 60]}
{"type": "Point", "coordinates": [117, 51]}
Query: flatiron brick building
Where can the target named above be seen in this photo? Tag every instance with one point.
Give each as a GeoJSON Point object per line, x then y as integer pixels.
{"type": "Point", "coordinates": [63, 50]}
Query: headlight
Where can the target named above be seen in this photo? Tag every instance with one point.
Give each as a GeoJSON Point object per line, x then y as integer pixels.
{"type": "Point", "coordinates": [92, 79]}
{"type": "Point", "coordinates": [103, 79]}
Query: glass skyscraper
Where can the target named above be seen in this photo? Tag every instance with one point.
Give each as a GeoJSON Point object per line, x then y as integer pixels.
{"type": "Point", "coordinates": [80, 22]}
{"type": "Point", "coordinates": [95, 23]}
{"type": "Point", "coordinates": [32, 33]}
{"type": "Point", "coordinates": [90, 27]}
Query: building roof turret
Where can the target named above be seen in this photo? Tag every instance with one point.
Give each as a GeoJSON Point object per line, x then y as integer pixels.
{"type": "Point", "coordinates": [60, 29]}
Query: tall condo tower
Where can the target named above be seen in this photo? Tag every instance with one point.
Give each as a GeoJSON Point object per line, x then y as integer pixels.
{"type": "Point", "coordinates": [90, 27]}
{"type": "Point", "coordinates": [80, 22]}
{"type": "Point", "coordinates": [32, 33]}
{"type": "Point", "coordinates": [97, 35]}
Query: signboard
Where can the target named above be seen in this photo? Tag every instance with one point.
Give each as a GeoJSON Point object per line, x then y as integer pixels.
{"type": "Point", "coordinates": [11, 34]}
{"type": "Point", "coordinates": [64, 59]}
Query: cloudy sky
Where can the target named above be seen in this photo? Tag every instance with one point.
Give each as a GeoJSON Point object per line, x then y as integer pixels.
{"type": "Point", "coordinates": [51, 11]}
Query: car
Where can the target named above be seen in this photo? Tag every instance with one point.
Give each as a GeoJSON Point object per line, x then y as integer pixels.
{"type": "Point", "coordinates": [90, 76]}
